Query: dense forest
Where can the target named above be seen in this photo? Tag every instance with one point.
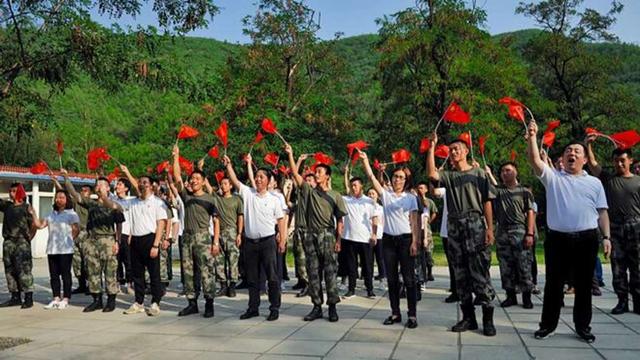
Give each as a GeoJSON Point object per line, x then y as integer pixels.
{"type": "Point", "coordinates": [129, 90]}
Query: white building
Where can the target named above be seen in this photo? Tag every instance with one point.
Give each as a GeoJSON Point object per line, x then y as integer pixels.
{"type": "Point", "coordinates": [40, 194]}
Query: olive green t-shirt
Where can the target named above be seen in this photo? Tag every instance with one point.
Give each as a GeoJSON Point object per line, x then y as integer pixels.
{"type": "Point", "coordinates": [300, 211]}
{"type": "Point", "coordinates": [17, 220]}
{"type": "Point", "coordinates": [466, 190]}
{"type": "Point", "coordinates": [322, 207]}
{"type": "Point", "coordinates": [197, 211]}
{"type": "Point", "coordinates": [229, 208]}
{"type": "Point", "coordinates": [101, 220]}
{"type": "Point", "coordinates": [83, 214]}
{"type": "Point", "coordinates": [511, 205]}
{"type": "Point", "coordinates": [623, 196]}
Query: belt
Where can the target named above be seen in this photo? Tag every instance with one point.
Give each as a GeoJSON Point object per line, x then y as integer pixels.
{"type": "Point", "coordinates": [464, 214]}
{"type": "Point", "coordinates": [576, 234]}
{"type": "Point", "coordinates": [259, 240]}
{"type": "Point", "coordinates": [396, 237]}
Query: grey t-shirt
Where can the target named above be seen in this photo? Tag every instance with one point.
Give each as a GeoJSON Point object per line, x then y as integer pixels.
{"type": "Point", "coordinates": [511, 205]}
{"type": "Point", "coordinates": [466, 190]}
{"type": "Point", "coordinates": [623, 196]}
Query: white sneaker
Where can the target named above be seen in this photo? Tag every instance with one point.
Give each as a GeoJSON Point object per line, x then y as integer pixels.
{"type": "Point", "coordinates": [52, 305]}
{"type": "Point", "coordinates": [381, 285]}
{"type": "Point", "coordinates": [153, 310]}
{"type": "Point", "coordinates": [135, 308]}
{"type": "Point", "coordinates": [63, 305]}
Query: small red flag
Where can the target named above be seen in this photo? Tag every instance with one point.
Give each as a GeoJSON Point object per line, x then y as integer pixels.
{"type": "Point", "coordinates": [548, 139]}
{"type": "Point", "coordinates": [95, 158]}
{"type": "Point", "coordinates": [516, 108]}
{"type": "Point", "coordinates": [456, 115]}
{"type": "Point", "coordinates": [187, 132]}
{"type": "Point", "coordinates": [466, 137]}
{"type": "Point", "coordinates": [358, 145]}
{"type": "Point", "coordinates": [552, 125]}
{"type": "Point", "coordinates": [219, 176]}
{"type": "Point", "coordinates": [284, 170]}
{"type": "Point", "coordinates": [21, 194]}
{"type": "Point", "coordinates": [185, 165]}
{"type": "Point", "coordinates": [401, 156]}
{"type": "Point", "coordinates": [116, 171]}
{"type": "Point", "coordinates": [322, 158]}
{"type": "Point", "coordinates": [509, 101]}
{"type": "Point", "coordinates": [258, 138]}
{"type": "Point", "coordinates": [376, 164]}
{"type": "Point", "coordinates": [442, 151]}
{"type": "Point", "coordinates": [425, 144]}
{"type": "Point", "coordinates": [272, 159]}
{"type": "Point", "coordinates": [59, 147]}
{"type": "Point", "coordinates": [39, 168]}
{"type": "Point", "coordinates": [162, 167]}
{"type": "Point", "coordinates": [223, 133]}
{"type": "Point", "coordinates": [481, 143]}
{"type": "Point", "coordinates": [213, 152]}
{"type": "Point", "coordinates": [626, 139]}
{"type": "Point", "coordinates": [590, 131]}
{"type": "Point", "coordinates": [513, 155]}
{"type": "Point", "coordinates": [268, 126]}
{"type": "Point", "coordinates": [112, 177]}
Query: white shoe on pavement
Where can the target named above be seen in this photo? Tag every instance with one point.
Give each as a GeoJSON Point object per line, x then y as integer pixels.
{"type": "Point", "coordinates": [153, 310]}
{"type": "Point", "coordinates": [52, 305]}
{"type": "Point", "coordinates": [135, 308]}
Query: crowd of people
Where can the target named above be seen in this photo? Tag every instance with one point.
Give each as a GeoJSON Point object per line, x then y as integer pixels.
{"type": "Point", "coordinates": [240, 229]}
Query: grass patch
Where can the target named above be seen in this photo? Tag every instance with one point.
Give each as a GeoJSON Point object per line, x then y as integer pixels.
{"type": "Point", "coordinates": [9, 342]}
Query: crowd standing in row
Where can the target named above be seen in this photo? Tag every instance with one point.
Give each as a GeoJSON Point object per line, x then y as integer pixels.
{"type": "Point", "coordinates": [225, 235]}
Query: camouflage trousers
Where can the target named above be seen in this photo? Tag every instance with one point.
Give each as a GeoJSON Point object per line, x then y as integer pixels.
{"type": "Point", "coordinates": [625, 258]}
{"type": "Point", "coordinates": [298, 254]}
{"type": "Point", "coordinates": [79, 261]}
{"type": "Point", "coordinates": [165, 260]}
{"type": "Point", "coordinates": [322, 263]}
{"type": "Point", "coordinates": [102, 263]}
{"type": "Point", "coordinates": [227, 261]}
{"type": "Point", "coordinates": [196, 250]}
{"type": "Point", "coordinates": [471, 258]}
{"type": "Point", "coordinates": [16, 255]}
{"type": "Point", "coordinates": [515, 261]}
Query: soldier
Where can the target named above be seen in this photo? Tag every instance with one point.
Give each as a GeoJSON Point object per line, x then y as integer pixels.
{"type": "Point", "coordinates": [325, 210]}
{"type": "Point", "coordinates": [470, 233]}
{"type": "Point", "coordinates": [623, 195]}
{"type": "Point", "coordinates": [230, 208]}
{"type": "Point", "coordinates": [199, 247]}
{"type": "Point", "coordinates": [515, 219]}
{"type": "Point", "coordinates": [17, 232]}
{"type": "Point", "coordinates": [299, 233]}
{"type": "Point", "coordinates": [102, 243]}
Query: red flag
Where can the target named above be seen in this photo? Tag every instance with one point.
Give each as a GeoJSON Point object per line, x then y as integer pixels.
{"type": "Point", "coordinates": [185, 165]}
{"type": "Point", "coordinates": [552, 125]}
{"type": "Point", "coordinates": [95, 158]}
{"type": "Point", "coordinates": [466, 137]}
{"type": "Point", "coordinates": [219, 176]}
{"type": "Point", "coordinates": [548, 139]}
{"type": "Point", "coordinates": [425, 144]}
{"type": "Point", "coordinates": [59, 147]}
{"type": "Point", "coordinates": [187, 132]}
{"type": "Point", "coordinates": [442, 151]}
{"type": "Point", "coordinates": [322, 158]}
{"type": "Point", "coordinates": [358, 145]}
{"type": "Point", "coordinates": [516, 108]}
{"type": "Point", "coordinates": [39, 168]}
{"type": "Point", "coordinates": [268, 126]}
{"type": "Point", "coordinates": [272, 159]}
{"type": "Point", "coordinates": [163, 166]}
{"type": "Point", "coordinates": [509, 101]}
{"type": "Point", "coordinates": [112, 177]}
{"type": "Point", "coordinates": [481, 143]}
{"type": "Point", "coordinates": [376, 164]}
{"type": "Point", "coordinates": [21, 194]}
{"type": "Point", "coordinates": [258, 138]}
{"type": "Point", "coordinates": [401, 156]}
{"type": "Point", "coordinates": [213, 152]}
{"type": "Point", "coordinates": [513, 155]}
{"type": "Point", "coordinates": [223, 133]}
{"type": "Point", "coordinates": [590, 131]}
{"type": "Point", "coordinates": [626, 139]}
{"type": "Point", "coordinates": [284, 170]}
{"type": "Point", "coordinates": [116, 171]}
{"type": "Point", "coordinates": [456, 115]}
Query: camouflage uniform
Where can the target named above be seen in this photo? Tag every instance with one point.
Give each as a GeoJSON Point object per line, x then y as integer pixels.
{"type": "Point", "coordinates": [322, 262]}
{"type": "Point", "coordinates": [515, 260]}
{"type": "Point", "coordinates": [625, 256]}
{"type": "Point", "coordinates": [16, 247]}
{"type": "Point", "coordinates": [101, 261]}
{"type": "Point", "coordinates": [197, 250]}
{"type": "Point", "coordinates": [299, 234]}
{"type": "Point", "coordinates": [228, 257]}
{"type": "Point", "coordinates": [79, 256]}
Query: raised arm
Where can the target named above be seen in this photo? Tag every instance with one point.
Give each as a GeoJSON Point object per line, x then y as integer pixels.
{"type": "Point", "coordinates": [56, 183]}
{"type": "Point", "coordinates": [432, 170]}
{"type": "Point", "coordinates": [533, 152]}
{"type": "Point", "coordinates": [70, 189]}
{"type": "Point", "coordinates": [594, 167]}
{"type": "Point", "coordinates": [37, 222]}
{"type": "Point", "coordinates": [369, 172]}
{"type": "Point", "coordinates": [347, 190]}
{"type": "Point", "coordinates": [252, 178]}
{"type": "Point", "coordinates": [493, 180]}
{"type": "Point", "coordinates": [232, 174]}
{"type": "Point", "coordinates": [297, 178]}
{"type": "Point", "coordinates": [177, 176]}
{"type": "Point", "coordinates": [132, 180]}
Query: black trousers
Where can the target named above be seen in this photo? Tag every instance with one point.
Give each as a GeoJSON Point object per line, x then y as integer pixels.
{"type": "Point", "coordinates": [534, 264]}
{"type": "Point", "coordinates": [566, 254]}
{"type": "Point", "coordinates": [379, 257]}
{"type": "Point", "coordinates": [364, 251]}
{"type": "Point", "coordinates": [60, 267]}
{"type": "Point", "coordinates": [261, 253]}
{"type": "Point", "coordinates": [396, 253]}
{"type": "Point", "coordinates": [140, 261]}
{"type": "Point", "coordinates": [197, 275]}
{"type": "Point", "coordinates": [447, 253]}
{"type": "Point", "coordinates": [124, 262]}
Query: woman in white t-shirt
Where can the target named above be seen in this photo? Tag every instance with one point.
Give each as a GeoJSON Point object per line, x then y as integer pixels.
{"type": "Point", "coordinates": [63, 229]}
{"type": "Point", "coordinates": [377, 250]}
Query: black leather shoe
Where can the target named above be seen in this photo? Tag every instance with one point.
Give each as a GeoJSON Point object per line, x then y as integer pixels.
{"type": "Point", "coordinates": [621, 308]}
{"type": "Point", "coordinates": [273, 315]}
{"type": "Point", "coordinates": [192, 308]}
{"type": "Point", "coordinates": [464, 325]}
{"type": "Point", "coordinates": [452, 298]}
{"type": "Point", "coordinates": [316, 313]}
{"type": "Point", "coordinates": [526, 300]}
{"type": "Point", "coordinates": [303, 292]}
{"type": "Point", "coordinates": [543, 333]}
{"type": "Point", "coordinates": [13, 301]}
{"type": "Point", "coordinates": [249, 314]}
{"type": "Point", "coordinates": [371, 294]}
{"type": "Point", "coordinates": [392, 320]}
{"type": "Point", "coordinates": [299, 285]}
{"type": "Point", "coordinates": [488, 329]}
{"type": "Point", "coordinates": [222, 291]}
{"type": "Point", "coordinates": [28, 300]}
{"type": "Point", "coordinates": [586, 335]}
{"type": "Point", "coordinates": [333, 313]}
{"type": "Point", "coordinates": [111, 304]}
{"type": "Point", "coordinates": [231, 290]}
{"type": "Point", "coordinates": [208, 308]}
{"type": "Point", "coordinates": [412, 323]}
{"type": "Point", "coordinates": [349, 294]}
{"type": "Point", "coordinates": [95, 305]}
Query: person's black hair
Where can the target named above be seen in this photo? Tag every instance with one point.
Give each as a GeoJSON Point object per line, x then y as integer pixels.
{"type": "Point", "coordinates": [422, 182]}
{"type": "Point", "coordinates": [102, 178]}
{"type": "Point", "coordinates": [575, 142]}
{"type": "Point", "coordinates": [619, 152]}
{"type": "Point", "coordinates": [408, 181]}
{"type": "Point", "coordinates": [196, 171]}
{"type": "Point", "coordinates": [14, 185]}
{"type": "Point", "coordinates": [125, 182]}
{"type": "Point", "coordinates": [153, 179]}
{"type": "Point", "coordinates": [69, 204]}
{"type": "Point", "coordinates": [309, 174]}
{"type": "Point", "coordinates": [327, 168]}
{"type": "Point", "coordinates": [267, 172]}
{"type": "Point", "coordinates": [458, 141]}
{"type": "Point", "coordinates": [356, 178]}
{"type": "Point", "coordinates": [508, 163]}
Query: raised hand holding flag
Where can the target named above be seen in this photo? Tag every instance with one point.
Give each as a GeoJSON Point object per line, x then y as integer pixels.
{"type": "Point", "coordinates": [270, 128]}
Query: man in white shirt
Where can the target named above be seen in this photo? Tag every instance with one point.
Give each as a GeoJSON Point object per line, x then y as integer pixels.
{"type": "Point", "coordinates": [576, 207]}
{"type": "Point", "coordinates": [147, 222]}
{"type": "Point", "coordinates": [262, 212]}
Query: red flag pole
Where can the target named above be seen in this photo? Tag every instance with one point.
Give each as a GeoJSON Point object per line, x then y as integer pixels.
{"type": "Point", "coordinates": [442, 117]}
{"type": "Point", "coordinates": [60, 160]}
{"type": "Point", "coordinates": [444, 163]}
{"type": "Point", "coordinates": [471, 146]}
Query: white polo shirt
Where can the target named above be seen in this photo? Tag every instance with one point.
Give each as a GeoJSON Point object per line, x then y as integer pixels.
{"type": "Point", "coordinates": [125, 203]}
{"type": "Point", "coordinates": [145, 213]}
{"type": "Point", "coordinates": [357, 223]}
{"type": "Point", "coordinates": [397, 209]}
{"type": "Point", "coordinates": [261, 213]}
{"type": "Point", "coordinates": [60, 231]}
{"type": "Point", "coordinates": [379, 213]}
{"type": "Point", "coordinates": [572, 201]}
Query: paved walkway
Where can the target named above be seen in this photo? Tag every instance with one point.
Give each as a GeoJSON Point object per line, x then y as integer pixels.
{"type": "Point", "coordinates": [71, 334]}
